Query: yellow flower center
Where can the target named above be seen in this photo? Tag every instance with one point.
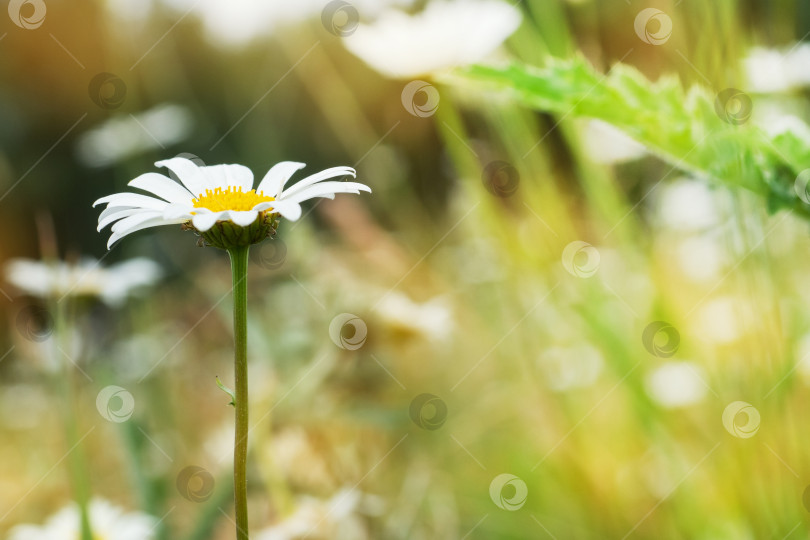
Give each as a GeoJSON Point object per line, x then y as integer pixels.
{"type": "Point", "coordinates": [232, 198]}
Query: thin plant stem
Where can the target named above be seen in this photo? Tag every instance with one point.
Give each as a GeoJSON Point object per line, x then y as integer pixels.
{"type": "Point", "coordinates": [239, 264]}
{"type": "Point", "coordinates": [78, 462]}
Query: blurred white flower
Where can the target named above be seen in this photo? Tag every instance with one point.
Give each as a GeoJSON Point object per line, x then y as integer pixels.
{"type": "Point", "coordinates": [87, 277]}
{"type": "Point", "coordinates": [606, 144]}
{"type": "Point", "coordinates": [701, 257]}
{"type": "Point", "coordinates": [432, 319]}
{"type": "Point", "coordinates": [567, 368]}
{"type": "Point", "coordinates": [107, 521]}
{"type": "Point", "coordinates": [688, 205]}
{"type": "Point", "coordinates": [721, 320]}
{"type": "Point", "coordinates": [775, 124]}
{"type": "Point", "coordinates": [338, 518]}
{"type": "Point", "coordinates": [447, 34]}
{"type": "Point", "coordinates": [237, 22]}
{"type": "Point", "coordinates": [771, 70]}
{"type": "Point", "coordinates": [124, 136]}
{"type": "Point", "coordinates": [676, 384]}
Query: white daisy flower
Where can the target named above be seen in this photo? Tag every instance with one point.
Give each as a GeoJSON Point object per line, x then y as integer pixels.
{"type": "Point", "coordinates": [219, 201]}
{"type": "Point", "coordinates": [86, 277]}
{"type": "Point", "coordinates": [107, 521]}
{"type": "Point", "coordinates": [445, 35]}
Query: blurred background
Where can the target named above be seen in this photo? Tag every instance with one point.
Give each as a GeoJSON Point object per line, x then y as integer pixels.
{"type": "Point", "coordinates": [534, 327]}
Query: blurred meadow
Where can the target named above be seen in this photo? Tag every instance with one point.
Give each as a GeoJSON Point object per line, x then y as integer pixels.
{"type": "Point", "coordinates": [572, 307]}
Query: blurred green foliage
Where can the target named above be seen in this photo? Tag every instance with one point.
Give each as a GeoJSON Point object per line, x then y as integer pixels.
{"type": "Point", "coordinates": [601, 460]}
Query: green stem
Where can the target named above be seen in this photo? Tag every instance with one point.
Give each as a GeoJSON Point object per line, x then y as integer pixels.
{"type": "Point", "coordinates": [77, 458]}
{"type": "Point", "coordinates": [239, 264]}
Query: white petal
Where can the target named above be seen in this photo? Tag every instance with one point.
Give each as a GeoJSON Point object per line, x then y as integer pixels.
{"type": "Point", "coordinates": [323, 175]}
{"type": "Point", "coordinates": [203, 222]}
{"type": "Point", "coordinates": [181, 211]}
{"type": "Point", "coordinates": [112, 210]}
{"type": "Point", "coordinates": [326, 188]}
{"type": "Point", "coordinates": [154, 222]}
{"type": "Point", "coordinates": [244, 218]}
{"type": "Point", "coordinates": [291, 211]}
{"type": "Point", "coordinates": [119, 214]}
{"type": "Point", "coordinates": [134, 220]}
{"type": "Point", "coordinates": [262, 206]}
{"type": "Point", "coordinates": [132, 199]}
{"type": "Point", "coordinates": [229, 175]}
{"type": "Point", "coordinates": [189, 174]}
{"type": "Point", "coordinates": [162, 186]}
{"type": "Point", "coordinates": [273, 182]}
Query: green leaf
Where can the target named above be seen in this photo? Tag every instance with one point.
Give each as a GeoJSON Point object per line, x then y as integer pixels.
{"type": "Point", "coordinates": [681, 127]}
